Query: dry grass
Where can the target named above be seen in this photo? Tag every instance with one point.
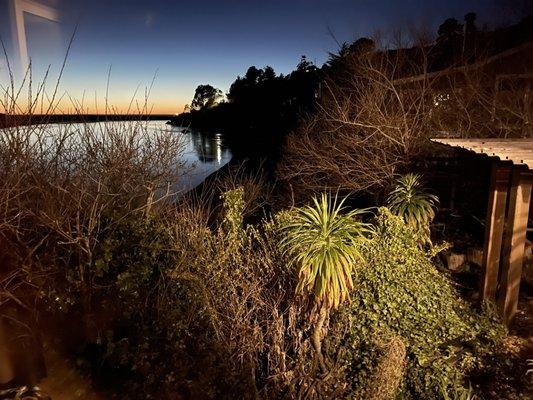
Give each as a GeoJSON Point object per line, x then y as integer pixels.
{"type": "Point", "coordinates": [62, 188]}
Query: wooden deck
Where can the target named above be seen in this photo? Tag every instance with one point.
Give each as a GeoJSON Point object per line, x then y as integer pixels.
{"type": "Point", "coordinates": [518, 151]}
{"type": "Point", "coordinates": [507, 216]}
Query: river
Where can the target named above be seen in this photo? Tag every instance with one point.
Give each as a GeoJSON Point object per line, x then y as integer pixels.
{"type": "Point", "coordinates": [201, 153]}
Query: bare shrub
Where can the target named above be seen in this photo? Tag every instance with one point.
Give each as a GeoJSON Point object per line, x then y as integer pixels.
{"type": "Point", "coordinates": [257, 190]}
{"type": "Point", "coordinates": [377, 110]}
{"type": "Point", "coordinates": [366, 129]}
{"type": "Point", "coordinates": [64, 185]}
{"type": "Point", "coordinates": [240, 269]}
{"type": "Point", "coordinates": [248, 291]}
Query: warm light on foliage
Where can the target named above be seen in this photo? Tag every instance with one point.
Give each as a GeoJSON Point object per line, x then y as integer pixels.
{"type": "Point", "coordinates": [400, 293]}
{"type": "Point", "coordinates": [410, 201]}
{"type": "Point", "coordinates": [325, 244]}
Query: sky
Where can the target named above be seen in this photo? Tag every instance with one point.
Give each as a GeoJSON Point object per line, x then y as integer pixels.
{"type": "Point", "coordinates": [181, 44]}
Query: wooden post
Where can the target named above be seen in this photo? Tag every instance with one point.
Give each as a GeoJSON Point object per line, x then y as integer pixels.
{"type": "Point", "coordinates": [499, 183]}
{"type": "Point", "coordinates": [514, 242]}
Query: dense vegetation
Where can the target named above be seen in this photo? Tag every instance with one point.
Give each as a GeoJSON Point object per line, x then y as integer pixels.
{"type": "Point", "coordinates": [402, 300]}
{"type": "Point", "coordinates": [189, 299]}
{"type": "Point", "coordinates": [235, 290]}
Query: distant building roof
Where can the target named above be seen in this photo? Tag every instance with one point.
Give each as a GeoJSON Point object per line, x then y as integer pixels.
{"type": "Point", "coordinates": [518, 151]}
{"type": "Point", "coordinates": [514, 62]}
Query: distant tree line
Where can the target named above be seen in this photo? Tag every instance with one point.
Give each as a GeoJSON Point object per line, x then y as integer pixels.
{"type": "Point", "coordinates": [262, 107]}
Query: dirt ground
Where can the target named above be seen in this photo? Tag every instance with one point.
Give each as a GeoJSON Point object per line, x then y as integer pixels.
{"type": "Point", "coordinates": [64, 380]}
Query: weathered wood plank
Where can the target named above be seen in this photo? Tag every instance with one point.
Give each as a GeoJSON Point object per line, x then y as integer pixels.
{"type": "Point", "coordinates": [514, 242]}
{"type": "Point", "coordinates": [519, 151]}
{"type": "Point", "coordinates": [494, 230]}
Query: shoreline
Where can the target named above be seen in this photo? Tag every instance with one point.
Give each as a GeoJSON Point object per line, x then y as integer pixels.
{"type": "Point", "coordinates": [10, 121]}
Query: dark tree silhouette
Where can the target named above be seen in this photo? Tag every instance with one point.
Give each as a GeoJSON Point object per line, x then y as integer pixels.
{"type": "Point", "coordinates": [262, 107]}
{"type": "Point", "coordinates": [449, 43]}
{"type": "Point", "coordinates": [305, 65]}
{"type": "Point", "coordinates": [252, 75]}
{"type": "Point", "coordinates": [470, 36]}
{"type": "Point", "coordinates": [268, 74]}
{"type": "Point", "coordinates": [338, 63]}
{"type": "Point", "coordinates": [205, 96]}
{"type": "Point", "coordinates": [450, 29]}
{"type": "Point", "coordinates": [362, 46]}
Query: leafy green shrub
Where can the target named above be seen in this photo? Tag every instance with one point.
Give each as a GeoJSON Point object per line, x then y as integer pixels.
{"type": "Point", "coordinates": [233, 205]}
{"type": "Point", "coordinates": [134, 255]}
{"type": "Point", "coordinates": [158, 330]}
{"type": "Point", "coordinates": [457, 392]}
{"type": "Point", "coordinates": [200, 308]}
{"type": "Point", "coordinates": [153, 329]}
{"type": "Point", "coordinates": [401, 292]}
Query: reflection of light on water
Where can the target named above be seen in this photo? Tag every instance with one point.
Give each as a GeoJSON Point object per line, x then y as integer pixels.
{"type": "Point", "coordinates": [203, 155]}
{"type": "Point", "coordinates": [218, 147]}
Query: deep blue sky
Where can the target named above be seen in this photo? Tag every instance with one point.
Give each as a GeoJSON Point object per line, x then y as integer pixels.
{"type": "Point", "coordinates": [212, 41]}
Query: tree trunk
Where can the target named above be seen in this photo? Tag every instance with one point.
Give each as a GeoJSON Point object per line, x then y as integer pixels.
{"type": "Point", "coordinates": [317, 336]}
{"type": "Point", "coordinates": [389, 372]}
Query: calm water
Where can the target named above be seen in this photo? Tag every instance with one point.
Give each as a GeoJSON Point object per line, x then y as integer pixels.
{"type": "Point", "coordinates": [202, 153]}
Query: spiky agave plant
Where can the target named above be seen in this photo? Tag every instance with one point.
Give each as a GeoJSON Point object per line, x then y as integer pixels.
{"type": "Point", "coordinates": [457, 392]}
{"type": "Point", "coordinates": [410, 201]}
{"type": "Point", "coordinates": [325, 244]}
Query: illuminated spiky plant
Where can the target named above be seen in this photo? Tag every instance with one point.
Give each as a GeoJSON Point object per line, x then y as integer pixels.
{"type": "Point", "coordinates": [325, 244]}
{"type": "Point", "coordinates": [410, 201]}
